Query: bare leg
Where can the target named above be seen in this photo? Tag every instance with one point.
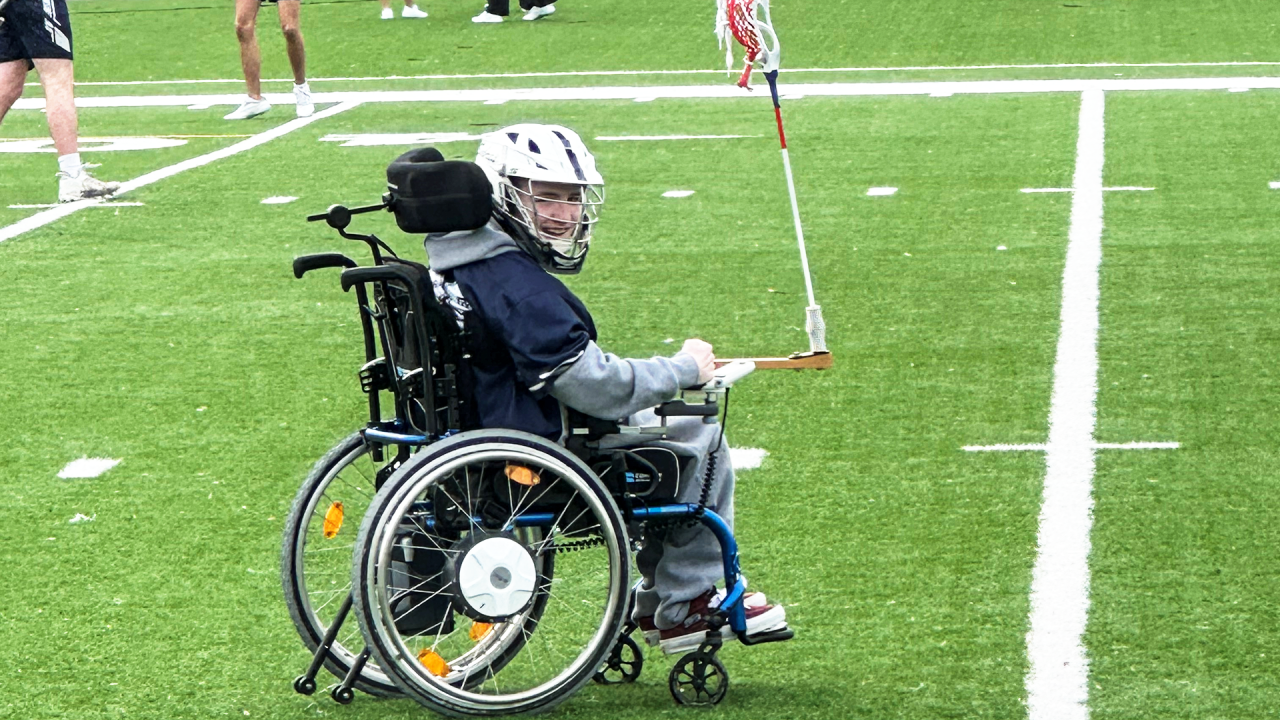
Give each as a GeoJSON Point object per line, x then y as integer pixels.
{"type": "Point", "coordinates": [58, 80]}
{"type": "Point", "coordinates": [293, 39]}
{"type": "Point", "coordinates": [250, 56]}
{"type": "Point", "coordinates": [12, 74]}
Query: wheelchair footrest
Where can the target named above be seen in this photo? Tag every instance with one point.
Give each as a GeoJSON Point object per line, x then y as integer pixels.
{"type": "Point", "coordinates": [761, 638]}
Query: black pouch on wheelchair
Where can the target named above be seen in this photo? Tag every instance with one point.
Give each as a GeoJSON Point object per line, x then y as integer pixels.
{"type": "Point", "coordinates": [421, 603]}
{"type": "Point", "coordinates": [647, 472]}
{"type": "Point", "coordinates": [430, 194]}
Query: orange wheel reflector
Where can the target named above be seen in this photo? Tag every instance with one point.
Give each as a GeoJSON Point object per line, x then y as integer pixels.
{"type": "Point", "coordinates": [479, 630]}
{"type": "Point", "coordinates": [332, 520]}
{"type": "Point", "coordinates": [522, 475]}
{"type": "Point", "coordinates": [434, 663]}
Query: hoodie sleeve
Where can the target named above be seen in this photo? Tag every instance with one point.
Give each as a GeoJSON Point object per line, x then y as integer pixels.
{"type": "Point", "coordinates": [603, 385]}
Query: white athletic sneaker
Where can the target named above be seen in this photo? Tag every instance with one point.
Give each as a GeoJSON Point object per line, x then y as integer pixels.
{"type": "Point", "coordinates": [388, 13]}
{"type": "Point", "coordinates": [535, 13]}
{"type": "Point", "coordinates": [248, 109]}
{"type": "Point", "coordinates": [486, 17]}
{"type": "Point", "coordinates": [413, 11]}
{"type": "Point", "coordinates": [302, 97]}
{"type": "Point", "coordinates": [82, 185]}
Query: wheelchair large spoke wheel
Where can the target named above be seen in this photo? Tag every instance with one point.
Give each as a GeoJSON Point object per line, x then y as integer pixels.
{"type": "Point", "coordinates": [491, 575]}
{"type": "Point", "coordinates": [315, 559]}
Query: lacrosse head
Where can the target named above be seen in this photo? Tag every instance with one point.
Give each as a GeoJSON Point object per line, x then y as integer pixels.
{"type": "Point", "coordinates": [751, 25]}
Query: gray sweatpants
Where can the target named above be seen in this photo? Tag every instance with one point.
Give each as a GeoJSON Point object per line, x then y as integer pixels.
{"type": "Point", "coordinates": [686, 562]}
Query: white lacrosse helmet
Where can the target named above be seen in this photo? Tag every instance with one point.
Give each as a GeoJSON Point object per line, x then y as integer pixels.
{"type": "Point", "coordinates": [516, 157]}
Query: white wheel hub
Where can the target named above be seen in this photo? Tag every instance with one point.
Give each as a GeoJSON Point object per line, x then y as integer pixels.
{"type": "Point", "coordinates": [497, 577]}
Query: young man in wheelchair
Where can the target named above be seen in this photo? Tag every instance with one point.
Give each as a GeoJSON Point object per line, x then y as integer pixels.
{"type": "Point", "coordinates": [536, 365]}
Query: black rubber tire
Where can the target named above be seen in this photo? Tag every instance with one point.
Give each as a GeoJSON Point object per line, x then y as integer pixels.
{"type": "Point", "coordinates": [391, 508]}
{"type": "Point", "coordinates": [345, 457]}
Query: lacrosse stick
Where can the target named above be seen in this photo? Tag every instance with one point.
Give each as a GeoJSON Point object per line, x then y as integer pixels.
{"type": "Point", "coordinates": [750, 23]}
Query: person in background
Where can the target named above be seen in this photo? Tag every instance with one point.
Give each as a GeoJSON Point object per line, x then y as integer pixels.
{"type": "Point", "coordinates": [37, 34]}
{"type": "Point", "coordinates": [251, 59]}
{"type": "Point", "coordinates": [496, 10]}
{"type": "Point", "coordinates": [410, 10]}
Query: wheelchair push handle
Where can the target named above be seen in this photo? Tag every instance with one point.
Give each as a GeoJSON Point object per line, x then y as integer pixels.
{"type": "Point", "coordinates": [307, 263]}
{"type": "Point", "coordinates": [358, 275]}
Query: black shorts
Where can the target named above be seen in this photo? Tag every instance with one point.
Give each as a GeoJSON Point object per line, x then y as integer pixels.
{"type": "Point", "coordinates": [35, 29]}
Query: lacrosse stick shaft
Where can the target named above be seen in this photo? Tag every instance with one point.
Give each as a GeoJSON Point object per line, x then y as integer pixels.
{"type": "Point", "coordinates": [814, 324]}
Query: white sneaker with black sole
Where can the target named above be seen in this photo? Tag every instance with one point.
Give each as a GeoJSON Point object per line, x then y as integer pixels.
{"type": "Point", "coordinates": [82, 185]}
{"type": "Point", "coordinates": [250, 108]}
{"type": "Point", "coordinates": [535, 13]}
{"type": "Point", "coordinates": [302, 98]}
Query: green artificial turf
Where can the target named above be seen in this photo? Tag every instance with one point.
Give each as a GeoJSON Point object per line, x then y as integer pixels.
{"type": "Point", "coordinates": [173, 336]}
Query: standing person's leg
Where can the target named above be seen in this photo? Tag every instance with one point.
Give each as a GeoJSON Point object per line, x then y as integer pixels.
{"type": "Point", "coordinates": [12, 74]}
{"type": "Point", "coordinates": [291, 26]}
{"type": "Point", "coordinates": [292, 29]}
{"type": "Point", "coordinates": [494, 11]}
{"type": "Point", "coordinates": [57, 77]}
{"type": "Point", "coordinates": [250, 55]}
{"type": "Point", "coordinates": [250, 62]}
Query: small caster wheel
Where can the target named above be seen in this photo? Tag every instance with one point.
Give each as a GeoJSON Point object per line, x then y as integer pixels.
{"type": "Point", "coordinates": [698, 679]}
{"type": "Point", "coordinates": [304, 685]}
{"type": "Point", "coordinates": [343, 696]}
{"type": "Point", "coordinates": [624, 663]}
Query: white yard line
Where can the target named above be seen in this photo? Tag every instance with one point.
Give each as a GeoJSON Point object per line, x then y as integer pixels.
{"type": "Point", "coordinates": [1057, 680]}
{"type": "Point", "coordinates": [721, 91]}
{"type": "Point", "coordinates": [646, 73]}
{"type": "Point", "coordinates": [45, 217]}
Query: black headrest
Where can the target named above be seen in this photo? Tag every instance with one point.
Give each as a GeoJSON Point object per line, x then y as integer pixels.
{"type": "Point", "coordinates": [430, 194]}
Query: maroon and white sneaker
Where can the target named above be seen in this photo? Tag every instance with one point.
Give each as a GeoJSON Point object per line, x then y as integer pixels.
{"type": "Point", "coordinates": [652, 635]}
{"type": "Point", "coordinates": [689, 634]}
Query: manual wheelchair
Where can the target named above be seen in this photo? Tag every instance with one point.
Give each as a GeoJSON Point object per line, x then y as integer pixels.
{"type": "Point", "coordinates": [490, 573]}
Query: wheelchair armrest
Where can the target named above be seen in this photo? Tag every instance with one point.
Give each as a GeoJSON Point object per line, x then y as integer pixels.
{"type": "Point", "coordinates": [676, 408]}
{"type": "Point", "coordinates": [358, 275]}
{"type": "Point", "coordinates": [307, 263]}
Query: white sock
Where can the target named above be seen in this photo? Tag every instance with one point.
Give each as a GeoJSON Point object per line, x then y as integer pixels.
{"type": "Point", "coordinates": [70, 164]}
{"type": "Point", "coordinates": [303, 86]}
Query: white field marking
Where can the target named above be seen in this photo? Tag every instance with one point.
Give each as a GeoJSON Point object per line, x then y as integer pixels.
{"type": "Point", "coordinates": [375, 139]}
{"type": "Point", "coordinates": [969, 87]}
{"type": "Point", "coordinates": [53, 214]}
{"type": "Point", "coordinates": [1238, 89]}
{"type": "Point", "coordinates": [115, 144]}
{"type": "Point", "coordinates": [498, 101]}
{"type": "Point", "coordinates": [644, 98]}
{"type": "Point", "coordinates": [677, 193]}
{"type": "Point", "coordinates": [876, 191]}
{"type": "Point", "coordinates": [941, 94]}
{"type": "Point", "coordinates": [1274, 185]}
{"type": "Point", "coordinates": [87, 467]}
{"type": "Point", "coordinates": [41, 206]}
{"type": "Point", "coordinates": [278, 200]}
{"type": "Point", "coordinates": [1057, 679]}
{"type": "Point", "coordinates": [1139, 446]}
{"type": "Point", "coordinates": [199, 106]}
{"type": "Point", "coordinates": [1040, 447]}
{"type": "Point", "coordinates": [82, 518]}
{"type": "Point", "coordinates": [620, 138]}
{"type": "Point", "coordinates": [649, 73]}
{"type": "Point", "coordinates": [746, 458]}
{"type": "Point", "coordinates": [1105, 189]}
